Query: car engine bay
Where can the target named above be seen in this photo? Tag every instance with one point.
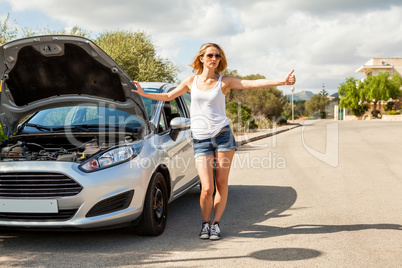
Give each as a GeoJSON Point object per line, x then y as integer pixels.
{"type": "Point", "coordinates": [54, 147]}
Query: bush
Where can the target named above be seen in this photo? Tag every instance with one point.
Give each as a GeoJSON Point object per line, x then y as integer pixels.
{"type": "Point", "coordinates": [389, 106]}
{"type": "Point", "coordinates": [360, 110]}
{"type": "Point", "coordinates": [238, 112]}
{"type": "Point", "coordinates": [315, 115]}
{"type": "Point", "coordinates": [2, 135]}
{"type": "Point", "coordinates": [281, 121]}
{"type": "Point", "coordinates": [376, 114]}
{"type": "Point", "coordinates": [252, 124]}
{"type": "Point", "coordinates": [262, 122]}
{"type": "Point", "coordinates": [393, 112]}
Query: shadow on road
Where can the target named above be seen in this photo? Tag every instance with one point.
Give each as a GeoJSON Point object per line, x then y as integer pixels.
{"type": "Point", "coordinates": [247, 207]}
{"type": "Point", "coordinates": [270, 202]}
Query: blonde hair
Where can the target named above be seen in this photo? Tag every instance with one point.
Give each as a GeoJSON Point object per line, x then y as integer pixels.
{"type": "Point", "coordinates": [198, 66]}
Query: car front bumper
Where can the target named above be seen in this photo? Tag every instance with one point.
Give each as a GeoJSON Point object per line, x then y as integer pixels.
{"type": "Point", "coordinates": [108, 197]}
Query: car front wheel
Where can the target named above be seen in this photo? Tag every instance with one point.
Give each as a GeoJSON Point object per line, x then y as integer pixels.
{"type": "Point", "coordinates": [154, 215]}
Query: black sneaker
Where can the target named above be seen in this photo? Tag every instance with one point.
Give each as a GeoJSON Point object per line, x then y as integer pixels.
{"type": "Point", "coordinates": [215, 231]}
{"type": "Point", "coordinates": [204, 234]}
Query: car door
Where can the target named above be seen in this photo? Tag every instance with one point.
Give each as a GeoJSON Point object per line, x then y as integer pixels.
{"type": "Point", "coordinates": [181, 154]}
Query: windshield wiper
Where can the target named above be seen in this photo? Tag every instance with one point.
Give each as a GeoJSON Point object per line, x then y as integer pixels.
{"type": "Point", "coordinates": [40, 127]}
{"type": "Point", "coordinates": [125, 128]}
{"type": "Point", "coordinates": [83, 127]}
{"type": "Point", "coordinates": [86, 128]}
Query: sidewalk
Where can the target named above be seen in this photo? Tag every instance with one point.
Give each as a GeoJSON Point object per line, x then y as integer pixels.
{"type": "Point", "coordinates": [264, 133]}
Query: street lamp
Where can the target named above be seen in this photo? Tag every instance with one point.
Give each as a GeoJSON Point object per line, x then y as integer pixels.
{"type": "Point", "coordinates": [293, 113]}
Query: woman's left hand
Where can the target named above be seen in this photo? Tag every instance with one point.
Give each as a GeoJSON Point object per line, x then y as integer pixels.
{"type": "Point", "coordinates": [290, 79]}
{"type": "Point", "coordinates": [139, 90]}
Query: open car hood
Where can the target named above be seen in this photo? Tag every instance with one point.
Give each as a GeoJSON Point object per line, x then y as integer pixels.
{"type": "Point", "coordinates": [45, 72]}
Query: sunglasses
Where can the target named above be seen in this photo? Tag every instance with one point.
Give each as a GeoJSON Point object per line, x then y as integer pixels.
{"type": "Point", "coordinates": [217, 56]}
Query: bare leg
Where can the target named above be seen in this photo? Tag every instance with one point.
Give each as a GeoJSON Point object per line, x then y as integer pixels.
{"type": "Point", "coordinates": [223, 164]}
{"type": "Point", "coordinates": [205, 170]}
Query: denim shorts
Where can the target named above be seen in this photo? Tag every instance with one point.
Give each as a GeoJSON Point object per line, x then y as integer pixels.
{"type": "Point", "coordinates": [222, 142]}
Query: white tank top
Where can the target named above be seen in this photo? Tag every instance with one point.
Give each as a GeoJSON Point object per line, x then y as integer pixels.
{"type": "Point", "coordinates": [208, 115]}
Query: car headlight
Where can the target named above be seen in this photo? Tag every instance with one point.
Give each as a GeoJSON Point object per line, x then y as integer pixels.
{"type": "Point", "coordinates": [107, 159]}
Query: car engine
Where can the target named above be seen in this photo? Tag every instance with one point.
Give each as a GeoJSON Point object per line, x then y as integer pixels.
{"type": "Point", "coordinates": [56, 147]}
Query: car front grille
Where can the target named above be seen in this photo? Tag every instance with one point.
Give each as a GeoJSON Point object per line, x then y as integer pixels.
{"type": "Point", "coordinates": [37, 185]}
{"type": "Point", "coordinates": [62, 215]}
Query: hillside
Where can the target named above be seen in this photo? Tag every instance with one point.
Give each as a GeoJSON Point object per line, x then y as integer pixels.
{"type": "Point", "coordinates": [303, 95]}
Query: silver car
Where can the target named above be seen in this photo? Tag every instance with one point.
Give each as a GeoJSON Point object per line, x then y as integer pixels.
{"type": "Point", "coordinates": [84, 151]}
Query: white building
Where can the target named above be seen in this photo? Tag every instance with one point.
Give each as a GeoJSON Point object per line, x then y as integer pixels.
{"type": "Point", "coordinates": [377, 65]}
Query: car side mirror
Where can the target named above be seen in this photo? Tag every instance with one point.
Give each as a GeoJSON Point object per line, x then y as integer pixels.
{"type": "Point", "coordinates": [178, 124]}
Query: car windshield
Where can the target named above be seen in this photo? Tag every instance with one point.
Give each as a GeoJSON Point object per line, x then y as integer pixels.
{"type": "Point", "coordinates": [84, 116]}
{"type": "Point", "coordinates": [150, 105]}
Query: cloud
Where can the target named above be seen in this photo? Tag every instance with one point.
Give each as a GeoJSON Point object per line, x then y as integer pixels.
{"type": "Point", "coordinates": [321, 49]}
{"type": "Point", "coordinates": [176, 16]}
{"type": "Point", "coordinates": [324, 41]}
{"type": "Point", "coordinates": [324, 8]}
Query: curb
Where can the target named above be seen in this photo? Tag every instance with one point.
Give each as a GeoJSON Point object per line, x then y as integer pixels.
{"type": "Point", "coordinates": [266, 135]}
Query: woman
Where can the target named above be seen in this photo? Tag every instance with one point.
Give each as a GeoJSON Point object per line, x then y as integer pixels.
{"type": "Point", "coordinates": [214, 143]}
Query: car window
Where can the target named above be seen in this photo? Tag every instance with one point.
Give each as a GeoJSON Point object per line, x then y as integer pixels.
{"type": "Point", "coordinates": [150, 105]}
{"type": "Point", "coordinates": [162, 125]}
{"type": "Point", "coordinates": [53, 117]}
{"type": "Point", "coordinates": [187, 100]}
{"type": "Point", "coordinates": [85, 115]}
{"type": "Point", "coordinates": [172, 109]}
{"type": "Point", "coordinates": [92, 113]}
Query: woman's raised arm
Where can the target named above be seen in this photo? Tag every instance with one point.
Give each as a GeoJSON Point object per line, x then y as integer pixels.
{"type": "Point", "coordinates": [179, 90]}
{"type": "Point", "coordinates": [237, 83]}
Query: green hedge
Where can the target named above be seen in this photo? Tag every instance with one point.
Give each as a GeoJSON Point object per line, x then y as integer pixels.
{"type": "Point", "coordinates": [393, 112]}
{"type": "Point", "coordinates": [2, 136]}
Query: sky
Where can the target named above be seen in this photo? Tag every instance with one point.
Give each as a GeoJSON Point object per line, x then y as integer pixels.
{"type": "Point", "coordinates": [323, 41]}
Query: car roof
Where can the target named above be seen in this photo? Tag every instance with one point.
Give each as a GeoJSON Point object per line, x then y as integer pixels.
{"type": "Point", "coordinates": [165, 87]}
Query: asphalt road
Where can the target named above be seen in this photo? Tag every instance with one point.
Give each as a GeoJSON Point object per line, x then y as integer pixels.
{"type": "Point", "coordinates": [324, 195]}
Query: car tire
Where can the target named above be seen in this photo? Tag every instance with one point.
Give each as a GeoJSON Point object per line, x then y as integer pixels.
{"type": "Point", "coordinates": [154, 214]}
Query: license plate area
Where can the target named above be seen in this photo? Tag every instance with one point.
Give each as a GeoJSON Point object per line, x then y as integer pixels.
{"type": "Point", "coordinates": [29, 206]}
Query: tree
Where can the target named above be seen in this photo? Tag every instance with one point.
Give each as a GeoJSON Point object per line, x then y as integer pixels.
{"type": "Point", "coordinates": [352, 96]}
{"type": "Point", "coordinates": [268, 102]}
{"type": "Point", "coordinates": [317, 103]}
{"type": "Point", "coordinates": [323, 92]}
{"type": "Point", "coordinates": [381, 88]}
{"type": "Point", "coordinates": [240, 113]}
{"type": "Point", "coordinates": [136, 54]}
{"type": "Point", "coordinates": [8, 30]}
{"type": "Point", "coordinates": [73, 31]}
{"type": "Point", "coordinates": [233, 94]}
{"type": "Point", "coordinates": [299, 109]}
